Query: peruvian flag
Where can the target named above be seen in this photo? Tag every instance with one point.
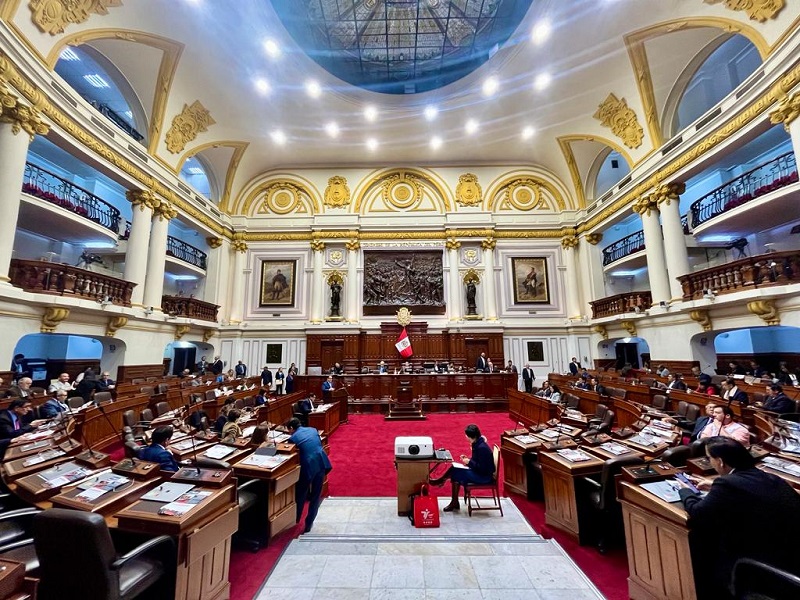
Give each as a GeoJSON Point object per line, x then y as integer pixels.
{"type": "Point", "coordinates": [403, 344]}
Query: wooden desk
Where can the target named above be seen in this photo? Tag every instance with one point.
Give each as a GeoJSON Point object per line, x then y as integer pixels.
{"type": "Point", "coordinates": [514, 451]}
{"type": "Point", "coordinates": [108, 502]}
{"type": "Point", "coordinates": [326, 420]}
{"type": "Point", "coordinates": [410, 473]}
{"type": "Point", "coordinates": [529, 409]}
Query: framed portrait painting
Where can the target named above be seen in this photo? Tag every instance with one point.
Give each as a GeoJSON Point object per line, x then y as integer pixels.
{"type": "Point", "coordinates": [277, 282]}
{"type": "Point", "coordinates": [531, 282]}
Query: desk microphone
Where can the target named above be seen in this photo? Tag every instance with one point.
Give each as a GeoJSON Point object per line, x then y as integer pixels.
{"type": "Point", "coordinates": [194, 452]}
{"type": "Point", "coordinates": [102, 409]}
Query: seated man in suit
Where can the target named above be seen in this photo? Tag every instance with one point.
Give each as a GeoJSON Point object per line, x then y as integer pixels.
{"type": "Point", "coordinates": [157, 450]}
{"type": "Point", "coordinates": [105, 383]}
{"type": "Point", "coordinates": [776, 401]}
{"type": "Point", "coordinates": [306, 405]}
{"type": "Point", "coordinates": [17, 419]}
{"type": "Point", "coordinates": [703, 421]}
{"type": "Point", "coordinates": [314, 465]}
{"type": "Point", "coordinates": [337, 369]}
{"type": "Point", "coordinates": [382, 368]}
{"type": "Point", "coordinates": [674, 382]}
{"type": "Point", "coordinates": [480, 468]}
{"type": "Point", "coordinates": [596, 386]}
{"type": "Point", "coordinates": [54, 406]}
{"type": "Point", "coordinates": [731, 392]}
{"type": "Point", "coordinates": [747, 514]}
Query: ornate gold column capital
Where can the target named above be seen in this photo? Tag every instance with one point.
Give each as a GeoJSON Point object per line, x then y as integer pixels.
{"type": "Point", "coordinates": [452, 244]}
{"type": "Point", "coordinates": [21, 116]}
{"type": "Point", "coordinates": [214, 242]}
{"type": "Point", "coordinates": [630, 327]}
{"type": "Point", "coordinates": [53, 16]}
{"type": "Point", "coordinates": [317, 245]}
{"type": "Point", "coordinates": [352, 245]}
{"type": "Point", "coordinates": [208, 334]}
{"type": "Point", "coordinates": [601, 331]}
{"type": "Point", "coordinates": [787, 111]}
{"type": "Point", "coordinates": [765, 310]}
{"type": "Point", "coordinates": [181, 330]}
{"type": "Point", "coordinates": [569, 241]}
{"type": "Point", "coordinates": [164, 210]}
{"type": "Point", "coordinates": [53, 315]}
{"type": "Point", "coordinates": [594, 238]}
{"type": "Point", "coordinates": [644, 206]}
{"type": "Point", "coordinates": [115, 323]}
{"type": "Point", "coordinates": [489, 243]}
{"type": "Point", "coordinates": [666, 193]}
{"type": "Point", "coordinates": [702, 317]}
{"type": "Point", "coordinates": [142, 198]}
{"type": "Point", "coordinates": [239, 246]}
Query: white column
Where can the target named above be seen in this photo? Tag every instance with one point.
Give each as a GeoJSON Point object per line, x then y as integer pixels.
{"type": "Point", "coordinates": [569, 246]}
{"type": "Point", "coordinates": [18, 126]}
{"type": "Point", "coordinates": [455, 286]}
{"type": "Point", "coordinates": [239, 249]}
{"type": "Point", "coordinates": [142, 203]}
{"type": "Point", "coordinates": [217, 273]}
{"type": "Point", "coordinates": [654, 249]}
{"type": "Point", "coordinates": [489, 298]}
{"type": "Point", "coordinates": [668, 199]}
{"type": "Point", "coordinates": [353, 298]}
{"type": "Point", "coordinates": [318, 286]}
{"type": "Point", "coordinates": [592, 260]}
{"type": "Point", "coordinates": [154, 280]}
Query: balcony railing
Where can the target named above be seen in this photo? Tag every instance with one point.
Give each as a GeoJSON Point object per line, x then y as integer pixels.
{"type": "Point", "coordinates": [624, 247]}
{"type": "Point", "coordinates": [621, 304]}
{"type": "Point", "coordinates": [41, 277]}
{"type": "Point", "coordinates": [185, 252]}
{"type": "Point", "coordinates": [766, 178]}
{"type": "Point", "coordinates": [48, 186]}
{"type": "Point", "coordinates": [192, 308]}
{"type": "Point", "coordinates": [765, 270]}
{"type": "Point", "coordinates": [116, 119]}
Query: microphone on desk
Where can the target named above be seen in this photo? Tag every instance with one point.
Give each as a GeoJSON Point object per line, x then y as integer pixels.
{"type": "Point", "coordinates": [194, 452]}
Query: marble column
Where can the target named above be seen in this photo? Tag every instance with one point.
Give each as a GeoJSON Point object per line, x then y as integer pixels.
{"type": "Point", "coordinates": [142, 203]}
{"type": "Point", "coordinates": [19, 124]}
{"type": "Point", "coordinates": [318, 286]}
{"type": "Point", "coordinates": [592, 260]}
{"type": "Point", "coordinates": [455, 286]}
{"type": "Point", "coordinates": [667, 197]}
{"type": "Point", "coordinates": [569, 246]}
{"type": "Point", "coordinates": [239, 248]}
{"type": "Point", "coordinates": [154, 279]}
{"type": "Point", "coordinates": [353, 298]}
{"type": "Point", "coordinates": [217, 275]}
{"type": "Point", "coordinates": [654, 250]}
{"type": "Point", "coordinates": [489, 298]}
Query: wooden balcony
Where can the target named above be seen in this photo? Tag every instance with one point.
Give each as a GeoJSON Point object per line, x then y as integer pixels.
{"type": "Point", "coordinates": [621, 304]}
{"type": "Point", "coordinates": [41, 277]}
{"type": "Point", "coordinates": [765, 270]}
{"type": "Point", "coordinates": [191, 308]}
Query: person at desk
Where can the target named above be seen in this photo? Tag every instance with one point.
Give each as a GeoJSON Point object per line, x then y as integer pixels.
{"type": "Point", "coordinates": [231, 430]}
{"type": "Point", "coordinates": [731, 392]}
{"type": "Point", "coordinates": [54, 406]}
{"type": "Point", "coordinates": [675, 382]}
{"type": "Point", "coordinates": [314, 465]}
{"type": "Point", "coordinates": [480, 468]}
{"type": "Point", "coordinates": [17, 419]}
{"type": "Point", "coordinates": [262, 397]}
{"type": "Point", "coordinates": [482, 364]}
{"type": "Point", "coordinates": [382, 368]}
{"type": "Point", "coordinates": [723, 425]}
{"type": "Point", "coordinates": [747, 514]}
{"type": "Point", "coordinates": [327, 385]}
{"type": "Point", "coordinates": [337, 369]}
{"type": "Point", "coordinates": [157, 450]}
{"type": "Point", "coordinates": [510, 368]}
{"type": "Point", "coordinates": [596, 386]}
{"type": "Point", "coordinates": [701, 423]}
{"type": "Point", "coordinates": [105, 383]}
{"type": "Point", "coordinates": [22, 389]}
{"type": "Point", "coordinates": [306, 406]}
{"type": "Point", "coordinates": [777, 401]}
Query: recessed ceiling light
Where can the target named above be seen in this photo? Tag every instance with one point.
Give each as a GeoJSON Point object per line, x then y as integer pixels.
{"type": "Point", "coordinates": [69, 55]}
{"type": "Point", "coordinates": [271, 48]}
{"type": "Point", "coordinates": [372, 144]}
{"type": "Point", "coordinates": [278, 137]}
{"type": "Point", "coordinates": [541, 82]}
{"type": "Point", "coordinates": [96, 81]}
{"type": "Point", "coordinates": [370, 113]}
{"type": "Point", "coordinates": [490, 86]}
{"type": "Point", "coordinates": [332, 129]}
{"type": "Point", "coordinates": [528, 133]}
{"type": "Point", "coordinates": [313, 89]}
{"type": "Point", "coordinates": [436, 142]}
{"type": "Point", "coordinates": [540, 32]}
{"type": "Point", "coordinates": [431, 112]}
{"type": "Point", "coordinates": [262, 85]}
{"type": "Point", "coordinates": [471, 126]}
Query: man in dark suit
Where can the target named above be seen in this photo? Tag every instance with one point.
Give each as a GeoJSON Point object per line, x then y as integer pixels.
{"type": "Point", "coordinates": [105, 383]}
{"type": "Point", "coordinates": [22, 389]}
{"type": "Point", "coordinates": [777, 401]}
{"type": "Point", "coordinates": [241, 370]}
{"type": "Point", "coordinates": [701, 423]}
{"type": "Point", "coordinates": [54, 406]}
{"type": "Point", "coordinates": [747, 514]}
{"type": "Point", "coordinates": [481, 365]}
{"type": "Point", "coordinates": [17, 419]}
{"type": "Point", "coordinates": [382, 368]}
{"type": "Point", "coordinates": [314, 465]}
{"type": "Point", "coordinates": [217, 366]}
{"type": "Point", "coordinates": [596, 386]}
{"type": "Point", "coordinates": [676, 382]}
{"type": "Point", "coordinates": [327, 385]}
{"type": "Point", "coordinates": [157, 450]}
{"type": "Point", "coordinates": [266, 378]}
{"type": "Point", "coordinates": [731, 392]}
{"type": "Point", "coordinates": [527, 378]}
{"type": "Point", "coordinates": [574, 366]}
{"type": "Point", "coordinates": [202, 365]}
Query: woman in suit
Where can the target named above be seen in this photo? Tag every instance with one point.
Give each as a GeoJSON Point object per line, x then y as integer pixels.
{"type": "Point", "coordinates": [314, 465]}
{"type": "Point", "coordinates": [479, 468]}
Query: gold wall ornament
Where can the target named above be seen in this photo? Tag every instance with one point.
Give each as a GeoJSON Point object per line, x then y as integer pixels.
{"type": "Point", "coordinates": [214, 242]}
{"type": "Point", "coordinates": [757, 10]}
{"type": "Point", "coordinates": [115, 324]}
{"type": "Point", "coordinates": [335, 277]}
{"type": "Point", "coordinates": [282, 198]}
{"type": "Point", "coordinates": [164, 210]}
{"type": "Point", "coordinates": [765, 310]}
{"type": "Point", "coordinates": [468, 190]}
{"type": "Point", "coordinates": [594, 238]}
{"type": "Point", "coordinates": [352, 245]}
{"type": "Point", "coordinates": [181, 330]}
{"type": "Point", "coordinates": [787, 111]}
{"type": "Point", "coordinates": [471, 276]}
{"type": "Point", "coordinates": [601, 331]}
{"type": "Point", "coordinates": [21, 116]}
{"type": "Point", "coordinates": [317, 245]}
{"type": "Point", "coordinates": [620, 118]}
{"type": "Point", "coordinates": [193, 120]}
{"type": "Point", "coordinates": [569, 241]}
{"type": "Point", "coordinates": [142, 199]}
{"type": "Point", "coordinates": [208, 334]}
{"type": "Point", "coordinates": [452, 244]}
{"type": "Point", "coordinates": [702, 317]}
{"type": "Point", "coordinates": [644, 205]}
{"type": "Point", "coordinates": [489, 243]}
{"type": "Point", "coordinates": [630, 327]}
{"type": "Point", "coordinates": [401, 190]}
{"type": "Point", "coordinates": [403, 316]}
{"type": "Point", "coordinates": [337, 194]}
{"type": "Point", "coordinates": [53, 315]}
{"type": "Point", "coordinates": [53, 16]}
{"type": "Point", "coordinates": [239, 245]}
{"type": "Point", "coordinates": [668, 192]}
{"type": "Point", "coordinates": [524, 194]}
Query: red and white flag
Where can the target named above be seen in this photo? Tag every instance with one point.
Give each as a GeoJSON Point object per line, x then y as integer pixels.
{"type": "Point", "coordinates": [403, 344]}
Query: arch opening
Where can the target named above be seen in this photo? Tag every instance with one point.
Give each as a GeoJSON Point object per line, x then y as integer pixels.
{"type": "Point", "coordinates": [187, 355]}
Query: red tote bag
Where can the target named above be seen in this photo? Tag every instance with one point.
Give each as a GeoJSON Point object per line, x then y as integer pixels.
{"type": "Point", "coordinates": [425, 509]}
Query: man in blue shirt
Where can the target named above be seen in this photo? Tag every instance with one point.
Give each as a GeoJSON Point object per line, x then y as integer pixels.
{"type": "Point", "coordinates": [314, 465]}
{"type": "Point", "coordinates": [157, 450]}
{"type": "Point", "coordinates": [480, 468]}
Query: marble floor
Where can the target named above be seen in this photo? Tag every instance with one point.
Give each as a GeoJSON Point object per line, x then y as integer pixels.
{"type": "Point", "coordinates": [360, 549]}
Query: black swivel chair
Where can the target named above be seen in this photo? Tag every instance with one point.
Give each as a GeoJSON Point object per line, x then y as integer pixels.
{"type": "Point", "coordinates": [16, 538]}
{"type": "Point", "coordinates": [754, 580]}
{"type": "Point", "coordinates": [97, 571]}
{"type": "Point", "coordinates": [677, 455]}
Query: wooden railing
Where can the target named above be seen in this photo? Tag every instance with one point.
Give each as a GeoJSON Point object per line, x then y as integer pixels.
{"type": "Point", "coordinates": [621, 304]}
{"type": "Point", "coordinates": [41, 277]}
{"type": "Point", "coordinates": [765, 270]}
{"type": "Point", "coordinates": [192, 308]}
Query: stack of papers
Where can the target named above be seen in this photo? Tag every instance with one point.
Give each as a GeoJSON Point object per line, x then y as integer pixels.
{"type": "Point", "coordinates": [573, 455]}
{"type": "Point", "coordinates": [265, 462]}
{"type": "Point", "coordinates": [644, 440]}
{"type": "Point", "coordinates": [525, 439]}
{"type": "Point", "coordinates": [656, 431]}
{"type": "Point", "coordinates": [248, 431]}
{"type": "Point", "coordinates": [615, 448]}
{"type": "Point", "coordinates": [186, 444]}
{"type": "Point", "coordinates": [666, 490]}
{"type": "Point", "coordinates": [550, 434]}
{"type": "Point", "coordinates": [184, 503]}
{"type": "Point", "coordinates": [277, 436]}
{"type": "Point", "coordinates": [101, 485]}
{"type": "Point", "coordinates": [58, 477]}
{"type": "Point", "coordinates": [43, 456]}
{"type": "Point", "coordinates": [167, 492]}
{"type": "Point", "coordinates": [219, 451]}
{"type": "Point", "coordinates": [784, 466]}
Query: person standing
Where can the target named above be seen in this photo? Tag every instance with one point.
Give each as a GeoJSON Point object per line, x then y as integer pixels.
{"type": "Point", "coordinates": [574, 366]}
{"type": "Point", "coordinates": [266, 378]}
{"type": "Point", "coordinates": [217, 366]}
{"type": "Point", "coordinates": [241, 370]}
{"type": "Point", "coordinates": [480, 468]}
{"type": "Point", "coordinates": [280, 377]}
{"type": "Point", "coordinates": [314, 465]}
{"type": "Point", "coordinates": [481, 364]}
{"type": "Point", "coordinates": [528, 378]}
{"type": "Point", "coordinates": [327, 386]}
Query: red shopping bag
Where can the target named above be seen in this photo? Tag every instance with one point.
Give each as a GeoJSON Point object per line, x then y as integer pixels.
{"type": "Point", "coordinates": [425, 509]}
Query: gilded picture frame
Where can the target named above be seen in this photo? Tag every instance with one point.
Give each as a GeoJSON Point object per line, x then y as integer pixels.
{"type": "Point", "coordinates": [531, 282]}
{"type": "Point", "coordinates": [278, 278]}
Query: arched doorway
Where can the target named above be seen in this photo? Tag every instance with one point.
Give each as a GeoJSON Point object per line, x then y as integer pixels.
{"type": "Point", "coordinates": [766, 346]}
{"type": "Point", "coordinates": [186, 355]}
{"type": "Point", "coordinates": [616, 352]}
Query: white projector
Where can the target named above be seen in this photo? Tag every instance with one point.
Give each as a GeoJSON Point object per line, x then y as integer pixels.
{"type": "Point", "coordinates": [413, 447]}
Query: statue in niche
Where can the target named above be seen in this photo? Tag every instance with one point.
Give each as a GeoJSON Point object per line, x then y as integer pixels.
{"type": "Point", "coordinates": [471, 291]}
{"type": "Point", "coordinates": [336, 298]}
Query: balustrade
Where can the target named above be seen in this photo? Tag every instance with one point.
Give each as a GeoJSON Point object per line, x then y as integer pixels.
{"type": "Point", "coordinates": [42, 277]}
{"type": "Point", "coordinates": [186, 252]}
{"type": "Point", "coordinates": [192, 308]}
{"type": "Point", "coordinates": [624, 247]}
{"type": "Point", "coordinates": [621, 304]}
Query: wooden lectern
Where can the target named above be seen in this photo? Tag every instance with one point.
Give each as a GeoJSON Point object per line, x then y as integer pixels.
{"type": "Point", "coordinates": [405, 407]}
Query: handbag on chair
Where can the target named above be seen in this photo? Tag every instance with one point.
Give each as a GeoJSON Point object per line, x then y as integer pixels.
{"type": "Point", "coordinates": [424, 509]}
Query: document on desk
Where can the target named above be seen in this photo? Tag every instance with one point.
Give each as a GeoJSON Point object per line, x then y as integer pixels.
{"type": "Point", "coordinates": [219, 451]}
{"type": "Point", "coordinates": [186, 444]}
{"type": "Point", "coordinates": [184, 503]}
{"type": "Point", "coordinates": [42, 457]}
{"type": "Point", "coordinates": [615, 448]}
{"type": "Point", "coordinates": [102, 485]}
{"type": "Point", "coordinates": [784, 466]}
{"type": "Point", "coordinates": [248, 431]}
{"type": "Point", "coordinates": [573, 455]}
{"type": "Point", "coordinates": [666, 490]}
{"type": "Point", "coordinates": [167, 492]}
{"type": "Point", "coordinates": [265, 462]}
{"type": "Point", "coordinates": [644, 440]}
{"type": "Point", "coordinates": [58, 477]}
{"type": "Point", "coordinates": [277, 436]}
{"type": "Point", "coordinates": [526, 439]}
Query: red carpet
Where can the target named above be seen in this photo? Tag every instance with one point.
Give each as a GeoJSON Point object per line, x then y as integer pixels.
{"type": "Point", "coordinates": [362, 454]}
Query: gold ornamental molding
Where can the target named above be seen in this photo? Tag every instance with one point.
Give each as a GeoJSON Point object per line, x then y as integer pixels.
{"type": "Point", "coordinates": [317, 245]}
{"type": "Point", "coordinates": [404, 316]}
{"type": "Point", "coordinates": [280, 196]}
{"type": "Point", "coordinates": [335, 277]}
{"type": "Point", "coordinates": [569, 241]}
{"type": "Point", "coordinates": [644, 206]}
{"type": "Point", "coordinates": [565, 143]}
{"type": "Point", "coordinates": [703, 318]}
{"type": "Point", "coordinates": [630, 327]}
{"type": "Point", "coordinates": [142, 198]}
{"type": "Point", "coordinates": [468, 190]}
{"type": "Point", "coordinates": [489, 243]}
{"type": "Point", "coordinates": [214, 242]}
{"type": "Point", "coordinates": [452, 244]}
{"type": "Point", "coordinates": [193, 120]}
{"type": "Point", "coordinates": [401, 188]}
{"type": "Point", "coordinates": [668, 192]}
{"type": "Point", "coordinates": [594, 238]}
{"type": "Point", "coordinates": [181, 330]}
{"type": "Point", "coordinates": [787, 111]}
{"type": "Point", "coordinates": [52, 317]}
{"type": "Point", "coordinates": [765, 310]}
{"type": "Point", "coordinates": [208, 334]}
{"type": "Point", "coordinates": [471, 276]}
{"type": "Point", "coordinates": [621, 119]}
{"type": "Point", "coordinates": [337, 194]}
{"type": "Point", "coordinates": [20, 116]}
{"type": "Point", "coordinates": [164, 210]}
{"type": "Point", "coordinates": [601, 331]}
{"type": "Point", "coordinates": [239, 245]}
{"type": "Point", "coordinates": [115, 324]}
{"type": "Point", "coordinates": [525, 193]}
{"type": "Point", "coordinates": [352, 245]}
{"type": "Point", "coordinates": [757, 10]}
{"type": "Point", "coordinates": [53, 16]}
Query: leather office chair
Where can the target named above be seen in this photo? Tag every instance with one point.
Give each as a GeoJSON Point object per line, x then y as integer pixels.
{"type": "Point", "coordinates": [599, 412]}
{"type": "Point", "coordinates": [147, 390]}
{"type": "Point", "coordinates": [137, 427]}
{"type": "Point", "coordinates": [698, 448]}
{"type": "Point", "coordinates": [755, 580]}
{"type": "Point", "coordinates": [138, 380]}
{"type": "Point", "coordinates": [102, 397]}
{"type": "Point", "coordinates": [132, 447]}
{"type": "Point", "coordinates": [75, 402]}
{"type": "Point", "coordinates": [16, 538]}
{"type": "Point", "coordinates": [250, 401]}
{"type": "Point", "coordinates": [297, 413]}
{"type": "Point", "coordinates": [604, 425]}
{"type": "Point", "coordinates": [473, 501]}
{"type": "Point", "coordinates": [146, 416]}
{"type": "Point", "coordinates": [571, 400]}
{"type": "Point", "coordinates": [677, 455]}
{"type": "Point", "coordinates": [239, 404]}
{"type": "Point", "coordinates": [37, 392]}
{"type": "Point", "coordinates": [65, 575]}
{"type": "Point", "coordinates": [210, 395]}
{"type": "Point", "coordinates": [161, 408]}
{"type": "Point", "coordinates": [162, 388]}
{"type": "Point", "coordinates": [660, 402]}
